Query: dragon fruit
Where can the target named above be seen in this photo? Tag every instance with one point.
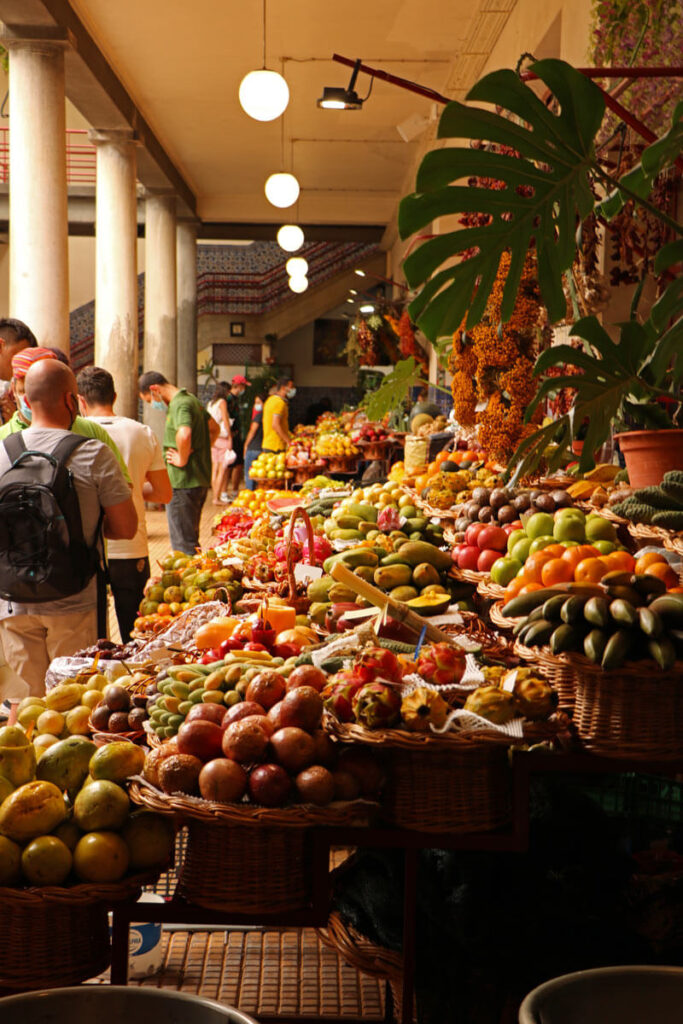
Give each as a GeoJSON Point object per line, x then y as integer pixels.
{"type": "Point", "coordinates": [281, 551]}
{"type": "Point", "coordinates": [377, 661]}
{"type": "Point", "coordinates": [441, 664]}
{"type": "Point", "coordinates": [377, 706]}
{"type": "Point", "coordinates": [322, 548]}
{"type": "Point", "coordinates": [422, 708]}
{"type": "Point", "coordinates": [490, 702]}
{"type": "Point", "coordinates": [534, 696]}
{"type": "Point", "coordinates": [339, 692]}
{"type": "Point", "coordinates": [389, 519]}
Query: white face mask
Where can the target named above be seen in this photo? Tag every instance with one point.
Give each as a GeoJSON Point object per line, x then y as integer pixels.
{"type": "Point", "coordinates": [291, 393]}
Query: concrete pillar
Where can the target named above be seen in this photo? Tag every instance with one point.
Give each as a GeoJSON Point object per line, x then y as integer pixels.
{"type": "Point", "coordinates": [160, 351]}
{"type": "Point", "coordinates": [186, 278]}
{"type": "Point", "coordinates": [116, 284]}
{"type": "Point", "coordinates": [39, 268]}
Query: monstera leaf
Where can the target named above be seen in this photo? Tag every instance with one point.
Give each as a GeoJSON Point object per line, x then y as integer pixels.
{"type": "Point", "coordinates": [547, 192]}
{"type": "Point", "coordinates": [394, 389]}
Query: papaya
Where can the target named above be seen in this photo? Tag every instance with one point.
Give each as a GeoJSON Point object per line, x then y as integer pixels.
{"type": "Point", "coordinates": [358, 556]}
{"type": "Point", "coordinates": [365, 572]}
{"type": "Point", "coordinates": [117, 761]}
{"type": "Point", "coordinates": [366, 527]}
{"type": "Point", "coordinates": [66, 763]}
{"type": "Point", "coordinates": [393, 559]}
{"type": "Point", "coordinates": [17, 756]}
{"type": "Point", "coordinates": [32, 810]}
{"type": "Point", "coordinates": [403, 593]}
{"type": "Point", "coordinates": [414, 552]}
{"type": "Point", "coordinates": [318, 590]}
{"type": "Point", "coordinates": [417, 523]}
{"type": "Point", "coordinates": [430, 604]}
{"type": "Point", "coordinates": [363, 511]}
{"type": "Point", "coordinates": [340, 534]}
{"type": "Point", "coordinates": [348, 522]}
{"type": "Point", "coordinates": [389, 576]}
{"type": "Point", "coordinates": [64, 697]}
{"type": "Point", "coordinates": [340, 593]}
{"type": "Point", "coordinates": [425, 574]}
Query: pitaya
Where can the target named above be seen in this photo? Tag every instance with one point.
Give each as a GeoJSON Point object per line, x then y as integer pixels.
{"type": "Point", "coordinates": [322, 548]}
{"type": "Point", "coordinates": [489, 702]}
{"type": "Point", "coordinates": [441, 664]}
{"type": "Point", "coordinates": [422, 708]}
{"type": "Point", "coordinates": [534, 696]}
{"type": "Point", "coordinates": [339, 692]}
{"type": "Point", "coordinates": [281, 551]}
{"type": "Point", "coordinates": [377, 661]}
{"type": "Point", "coordinates": [377, 706]}
{"type": "Point", "coordinates": [388, 519]}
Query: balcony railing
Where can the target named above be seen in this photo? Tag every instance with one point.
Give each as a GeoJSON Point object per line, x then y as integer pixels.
{"type": "Point", "coordinates": [80, 157]}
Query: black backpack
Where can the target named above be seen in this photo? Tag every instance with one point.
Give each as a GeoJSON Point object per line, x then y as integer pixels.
{"type": "Point", "coordinates": [43, 554]}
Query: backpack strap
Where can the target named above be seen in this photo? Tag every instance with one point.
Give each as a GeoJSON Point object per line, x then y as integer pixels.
{"type": "Point", "coordinates": [14, 446]}
{"type": "Point", "coordinates": [67, 446]}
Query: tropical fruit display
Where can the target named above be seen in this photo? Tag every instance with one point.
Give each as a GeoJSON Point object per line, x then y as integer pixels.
{"type": "Point", "coordinates": [186, 581]}
{"type": "Point", "coordinates": [65, 816]}
{"type": "Point", "coordinates": [270, 466]}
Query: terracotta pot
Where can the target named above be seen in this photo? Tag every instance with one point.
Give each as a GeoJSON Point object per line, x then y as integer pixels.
{"type": "Point", "coordinates": [649, 454]}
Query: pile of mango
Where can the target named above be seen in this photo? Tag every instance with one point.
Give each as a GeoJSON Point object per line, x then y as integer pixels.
{"type": "Point", "coordinates": [186, 581]}
{"type": "Point", "coordinates": [65, 817]}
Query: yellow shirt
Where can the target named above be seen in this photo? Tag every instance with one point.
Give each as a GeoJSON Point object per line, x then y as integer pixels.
{"type": "Point", "coordinates": [274, 406]}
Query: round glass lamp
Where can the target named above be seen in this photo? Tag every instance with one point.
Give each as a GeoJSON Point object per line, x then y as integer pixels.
{"type": "Point", "coordinates": [282, 189]}
{"type": "Point", "coordinates": [299, 283]}
{"type": "Point", "coordinates": [296, 266]}
{"type": "Point", "coordinates": [263, 95]}
{"type": "Point", "coordinates": [290, 237]}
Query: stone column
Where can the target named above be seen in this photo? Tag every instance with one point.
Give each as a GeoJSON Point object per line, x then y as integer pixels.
{"type": "Point", "coordinates": [160, 293]}
{"type": "Point", "coordinates": [186, 278]}
{"type": "Point", "coordinates": [116, 285]}
{"type": "Point", "coordinates": [39, 265]}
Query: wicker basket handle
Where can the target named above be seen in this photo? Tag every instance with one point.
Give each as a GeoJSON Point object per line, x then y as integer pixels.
{"type": "Point", "coordinates": [298, 513]}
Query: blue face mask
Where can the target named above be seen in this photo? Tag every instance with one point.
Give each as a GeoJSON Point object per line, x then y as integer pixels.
{"type": "Point", "coordinates": [156, 404]}
{"type": "Point", "coordinates": [25, 409]}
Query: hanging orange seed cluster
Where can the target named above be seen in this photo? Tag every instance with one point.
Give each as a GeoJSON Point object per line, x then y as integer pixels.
{"type": "Point", "coordinates": [493, 363]}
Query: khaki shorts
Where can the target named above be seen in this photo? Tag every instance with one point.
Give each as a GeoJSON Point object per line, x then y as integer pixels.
{"type": "Point", "coordinates": [30, 642]}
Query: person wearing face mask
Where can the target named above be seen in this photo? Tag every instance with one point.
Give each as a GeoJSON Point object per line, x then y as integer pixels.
{"type": "Point", "coordinates": [276, 416]}
{"type": "Point", "coordinates": [238, 385]}
{"type": "Point", "coordinates": [20, 364]}
{"type": "Point", "coordinates": [34, 633]}
{"type": "Point", "coordinates": [189, 433]}
{"type": "Point", "coordinates": [15, 335]}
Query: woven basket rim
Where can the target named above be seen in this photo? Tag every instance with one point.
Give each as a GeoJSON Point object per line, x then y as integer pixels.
{"type": "Point", "coordinates": [83, 892]}
{"type": "Point", "coordinates": [490, 590]}
{"type": "Point", "coordinates": [375, 960]}
{"type": "Point", "coordinates": [500, 620]}
{"type": "Point", "coordinates": [294, 816]}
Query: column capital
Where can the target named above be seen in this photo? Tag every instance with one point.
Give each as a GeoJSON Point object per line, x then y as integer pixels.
{"type": "Point", "coordinates": [156, 193]}
{"type": "Point", "coordinates": [41, 38]}
{"type": "Point", "coordinates": [112, 136]}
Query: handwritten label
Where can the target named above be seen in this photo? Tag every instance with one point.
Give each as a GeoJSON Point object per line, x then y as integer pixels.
{"type": "Point", "coordinates": [304, 573]}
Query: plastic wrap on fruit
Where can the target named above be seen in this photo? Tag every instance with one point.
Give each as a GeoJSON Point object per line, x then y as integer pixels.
{"type": "Point", "coordinates": [441, 664]}
{"type": "Point", "coordinates": [423, 708]}
{"type": "Point", "coordinates": [378, 662]}
{"type": "Point", "coordinates": [388, 519]}
{"type": "Point", "coordinates": [377, 706]}
{"type": "Point", "coordinates": [339, 693]}
{"type": "Point", "coordinates": [497, 706]}
{"type": "Point", "coordinates": [534, 696]}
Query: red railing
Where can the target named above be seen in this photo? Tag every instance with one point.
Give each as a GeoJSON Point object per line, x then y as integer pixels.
{"type": "Point", "coordinates": [80, 157]}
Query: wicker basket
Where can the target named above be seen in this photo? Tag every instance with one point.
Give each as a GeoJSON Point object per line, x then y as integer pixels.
{"type": "Point", "coordinates": [439, 783]}
{"type": "Point", "coordinates": [245, 859]}
{"type": "Point", "coordinates": [365, 956]}
{"type": "Point", "coordinates": [635, 711]}
{"type": "Point", "coordinates": [374, 450]}
{"type": "Point", "coordinates": [560, 672]}
{"type": "Point", "coordinates": [648, 534]}
{"type": "Point", "coordinates": [337, 464]}
{"type": "Point", "coordinates": [500, 621]}
{"type": "Point", "coordinates": [277, 484]}
{"type": "Point", "coordinates": [489, 590]}
{"type": "Point", "coordinates": [58, 936]}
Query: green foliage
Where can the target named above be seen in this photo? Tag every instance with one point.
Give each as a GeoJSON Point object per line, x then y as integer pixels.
{"type": "Point", "coordinates": [394, 389]}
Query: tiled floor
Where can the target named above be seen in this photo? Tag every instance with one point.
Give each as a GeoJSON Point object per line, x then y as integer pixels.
{"type": "Point", "coordinates": [275, 974]}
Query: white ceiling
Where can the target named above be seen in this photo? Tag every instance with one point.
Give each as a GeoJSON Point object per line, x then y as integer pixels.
{"type": "Point", "coordinates": [182, 63]}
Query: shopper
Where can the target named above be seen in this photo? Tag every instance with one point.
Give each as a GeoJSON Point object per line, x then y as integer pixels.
{"type": "Point", "coordinates": [238, 386]}
{"type": "Point", "coordinates": [254, 440]}
{"type": "Point", "coordinates": [276, 416]}
{"type": "Point", "coordinates": [128, 560]}
{"type": "Point", "coordinates": [188, 435]}
{"type": "Point", "coordinates": [222, 449]}
{"type": "Point", "coordinates": [35, 633]}
{"type": "Point", "coordinates": [14, 336]}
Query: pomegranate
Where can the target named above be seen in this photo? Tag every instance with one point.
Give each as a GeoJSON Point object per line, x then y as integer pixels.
{"type": "Point", "coordinates": [200, 738]}
{"type": "Point", "coordinates": [244, 710]}
{"type": "Point", "coordinates": [269, 784]}
{"type": "Point", "coordinates": [315, 785]}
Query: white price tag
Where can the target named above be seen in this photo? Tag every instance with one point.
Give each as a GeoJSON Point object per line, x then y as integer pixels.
{"type": "Point", "coordinates": [304, 573]}
{"type": "Point", "coordinates": [509, 684]}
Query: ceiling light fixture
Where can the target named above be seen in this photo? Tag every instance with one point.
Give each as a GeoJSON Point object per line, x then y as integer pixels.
{"type": "Point", "coordinates": [263, 94]}
{"type": "Point", "coordinates": [367, 309]}
{"type": "Point", "coordinates": [350, 300]}
{"type": "Point", "coordinates": [361, 273]}
{"type": "Point", "coordinates": [282, 189]}
{"type": "Point", "coordinates": [290, 237]}
{"type": "Point", "coordinates": [339, 98]}
{"type": "Point", "coordinates": [299, 283]}
{"type": "Point", "coordinates": [296, 266]}
{"type": "Point", "coordinates": [352, 291]}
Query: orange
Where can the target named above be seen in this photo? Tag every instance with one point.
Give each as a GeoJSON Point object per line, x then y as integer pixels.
{"type": "Point", "coordinates": [572, 556]}
{"type": "Point", "coordinates": [421, 482]}
{"type": "Point", "coordinates": [441, 457]}
{"type": "Point", "coordinates": [530, 587]}
{"type": "Point", "coordinates": [650, 558]}
{"type": "Point", "coordinates": [556, 550]}
{"type": "Point", "coordinates": [556, 571]}
{"type": "Point", "coordinates": [590, 570]}
{"type": "Point", "coordinates": [514, 586]}
{"type": "Point", "coordinates": [587, 551]}
{"type": "Point", "coordinates": [432, 469]}
{"type": "Point", "coordinates": [664, 572]}
{"type": "Point", "coordinates": [619, 560]}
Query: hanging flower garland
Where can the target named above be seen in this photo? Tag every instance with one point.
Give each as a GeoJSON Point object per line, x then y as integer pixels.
{"type": "Point", "coordinates": [382, 337]}
{"type": "Point", "coordinates": [492, 366]}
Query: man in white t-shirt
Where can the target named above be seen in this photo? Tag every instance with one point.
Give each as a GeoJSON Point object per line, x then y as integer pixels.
{"type": "Point", "coordinates": [141, 451]}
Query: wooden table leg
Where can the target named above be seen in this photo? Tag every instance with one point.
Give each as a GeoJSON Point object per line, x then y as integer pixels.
{"type": "Point", "coordinates": [120, 938]}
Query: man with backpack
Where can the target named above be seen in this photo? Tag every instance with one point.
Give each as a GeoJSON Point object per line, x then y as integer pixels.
{"type": "Point", "coordinates": [58, 492]}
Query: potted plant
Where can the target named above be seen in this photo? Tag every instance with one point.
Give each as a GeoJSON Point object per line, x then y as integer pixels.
{"type": "Point", "coordinates": [546, 181]}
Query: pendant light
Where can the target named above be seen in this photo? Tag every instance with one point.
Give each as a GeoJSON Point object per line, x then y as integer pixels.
{"type": "Point", "coordinates": [297, 266]}
{"type": "Point", "coordinates": [299, 283]}
{"type": "Point", "coordinates": [290, 237]}
{"type": "Point", "coordinates": [263, 94]}
{"type": "Point", "coordinates": [282, 189]}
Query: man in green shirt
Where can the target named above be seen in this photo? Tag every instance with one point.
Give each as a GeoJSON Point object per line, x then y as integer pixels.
{"type": "Point", "coordinates": [21, 419]}
{"type": "Point", "coordinates": [188, 435]}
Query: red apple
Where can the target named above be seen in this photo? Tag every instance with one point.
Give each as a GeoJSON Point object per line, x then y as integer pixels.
{"type": "Point", "coordinates": [233, 643]}
{"type": "Point", "coordinates": [469, 554]}
{"type": "Point", "coordinates": [269, 785]}
{"type": "Point", "coordinates": [200, 739]}
{"type": "Point", "coordinates": [286, 650]}
{"type": "Point", "coordinates": [486, 559]}
{"type": "Point", "coordinates": [208, 658]}
{"type": "Point", "coordinates": [455, 551]}
{"type": "Point", "coordinates": [493, 537]}
{"type": "Point", "coordinates": [252, 645]}
{"type": "Point", "coordinates": [473, 531]}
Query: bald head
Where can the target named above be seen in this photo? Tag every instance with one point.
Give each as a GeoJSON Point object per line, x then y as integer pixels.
{"type": "Point", "coordinates": [52, 393]}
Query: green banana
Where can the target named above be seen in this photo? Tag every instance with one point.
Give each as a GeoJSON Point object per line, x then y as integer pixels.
{"type": "Point", "coordinates": [650, 623]}
{"type": "Point", "coordinates": [596, 611]}
{"type": "Point", "coordinates": [670, 607]}
{"type": "Point", "coordinates": [617, 649]}
{"type": "Point", "coordinates": [525, 603]}
{"type": "Point", "coordinates": [663, 652]}
{"type": "Point", "coordinates": [623, 612]}
{"type": "Point", "coordinates": [572, 609]}
{"type": "Point", "coordinates": [552, 607]}
{"type": "Point", "coordinates": [565, 638]}
{"type": "Point", "coordinates": [539, 633]}
{"type": "Point", "coordinates": [594, 644]}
